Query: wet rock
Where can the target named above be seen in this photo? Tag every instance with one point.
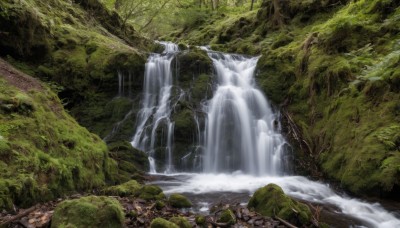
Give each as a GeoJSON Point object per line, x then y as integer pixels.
{"type": "Point", "coordinates": [179, 201]}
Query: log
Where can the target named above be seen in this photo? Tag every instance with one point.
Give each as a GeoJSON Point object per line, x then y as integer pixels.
{"type": "Point", "coordinates": [20, 215]}
{"type": "Point", "coordinates": [286, 223]}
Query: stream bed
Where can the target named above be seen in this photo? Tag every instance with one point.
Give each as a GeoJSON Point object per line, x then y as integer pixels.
{"type": "Point", "coordinates": [339, 210]}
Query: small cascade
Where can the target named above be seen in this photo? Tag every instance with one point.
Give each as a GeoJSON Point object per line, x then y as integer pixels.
{"type": "Point", "coordinates": [242, 132]}
{"type": "Point", "coordinates": [124, 84]}
{"type": "Point", "coordinates": [154, 115]}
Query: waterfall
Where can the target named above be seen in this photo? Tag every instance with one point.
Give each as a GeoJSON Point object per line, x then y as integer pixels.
{"type": "Point", "coordinates": [156, 108]}
{"type": "Point", "coordinates": [242, 132]}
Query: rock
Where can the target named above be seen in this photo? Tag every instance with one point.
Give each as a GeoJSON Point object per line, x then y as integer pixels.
{"type": "Point", "coordinates": [160, 204]}
{"type": "Point", "coordinates": [91, 211]}
{"type": "Point", "coordinates": [200, 220]}
{"type": "Point", "coordinates": [181, 222]}
{"type": "Point", "coordinates": [227, 217]}
{"type": "Point", "coordinates": [126, 189]}
{"type": "Point", "coordinates": [151, 192]}
{"type": "Point", "coordinates": [162, 223]}
{"type": "Point", "coordinates": [272, 201]}
{"type": "Point", "coordinates": [179, 201]}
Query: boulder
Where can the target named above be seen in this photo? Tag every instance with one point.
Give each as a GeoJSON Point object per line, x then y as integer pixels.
{"type": "Point", "coordinates": [271, 201]}
{"type": "Point", "coordinates": [91, 211]}
{"type": "Point", "coordinates": [179, 201]}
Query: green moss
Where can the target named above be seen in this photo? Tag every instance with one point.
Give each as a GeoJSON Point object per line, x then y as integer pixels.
{"type": "Point", "coordinates": [130, 161]}
{"type": "Point", "coordinates": [151, 192]}
{"type": "Point", "coordinates": [227, 217]}
{"type": "Point", "coordinates": [162, 223]}
{"type": "Point", "coordinates": [181, 222]}
{"type": "Point", "coordinates": [49, 151]}
{"type": "Point", "coordinates": [129, 188]}
{"type": "Point", "coordinates": [192, 62]}
{"type": "Point", "coordinates": [200, 220]}
{"type": "Point", "coordinates": [91, 211]}
{"type": "Point", "coordinates": [272, 201]}
{"type": "Point", "coordinates": [179, 201]}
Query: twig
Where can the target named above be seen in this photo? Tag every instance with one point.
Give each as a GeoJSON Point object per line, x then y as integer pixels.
{"type": "Point", "coordinates": [23, 214]}
{"type": "Point", "coordinates": [286, 223]}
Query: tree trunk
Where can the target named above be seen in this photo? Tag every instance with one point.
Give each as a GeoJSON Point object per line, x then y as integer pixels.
{"type": "Point", "coordinates": [277, 18]}
{"type": "Point", "coordinates": [252, 5]}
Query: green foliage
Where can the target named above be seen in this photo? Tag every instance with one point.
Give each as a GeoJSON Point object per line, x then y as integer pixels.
{"type": "Point", "coordinates": [91, 211]}
{"type": "Point", "coordinates": [272, 201]}
{"type": "Point", "coordinates": [179, 201]}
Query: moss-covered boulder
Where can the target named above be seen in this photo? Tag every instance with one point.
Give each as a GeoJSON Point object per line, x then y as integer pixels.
{"type": "Point", "coordinates": [151, 192]}
{"type": "Point", "coordinates": [181, 222]}
{"type": "Point", "coordinates": [179, 201]}
{"type": "Point", "coordinates": [227, 217]}
{"type": "Point", "coordinates": [91, 211]}
{"type": "Point", "coordinates": [271, 201]}
{"type": "Point", "coordinates": [200, 220]}
{"type": "Point", "coordinates": [126, 189]}
{"type": "Point", "coordinates": [162, 223]}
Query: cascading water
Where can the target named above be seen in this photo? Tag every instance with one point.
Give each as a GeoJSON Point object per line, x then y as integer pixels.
{"type": "Point", "coordinates": [241, 133]}
{"type": "Point", "coordinates": [241, 130]}
{"type": "Point", "coordinates": [155, 108]}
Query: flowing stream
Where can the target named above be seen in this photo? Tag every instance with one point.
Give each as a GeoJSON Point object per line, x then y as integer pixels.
{"type": "Point", "coordinates": [242, 146]}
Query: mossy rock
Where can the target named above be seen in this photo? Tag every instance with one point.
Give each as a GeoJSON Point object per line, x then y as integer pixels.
{"type": "Point", "coordinates": [227, 217]}
{"type": "Point", "coordinates": [179, 201]}
{"type": "Point", "coordinates": [185, 125]}
{"type": "Point", "coordinates": [129, 188]}
{"type": "Point", "coordinates": [192, 62]}
{"type": "Point", "coordinates": [131, 162]}
{"type": "Point", "coordinates": [272, 201]}
{"type": "Point", "coordinates": [181, 222]}
{"type": "Point", "coordinates": [200, 220]}
{"type": "Point", "coordinates": [151, 192]}
{"type": "Point", "coordinates": [162, 223]}
{"type": "Point", "coordinates": [91, 211]}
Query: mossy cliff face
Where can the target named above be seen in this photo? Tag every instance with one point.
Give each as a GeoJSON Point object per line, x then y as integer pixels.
{"type": "Point", "coordinates": [77, 46]}
{"type": "Point", "coordinates": [333, 68]}
{"type": "Point", "coordinates": [44, 152]}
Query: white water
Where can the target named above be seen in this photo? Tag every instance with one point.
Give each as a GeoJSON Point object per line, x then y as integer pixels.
{"type": "Point", "coordinates": [241, 131]}
{"type": "Point", "coordinates": [372, 214]}
{"type": "Point", "coordinates": [156, 109]}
